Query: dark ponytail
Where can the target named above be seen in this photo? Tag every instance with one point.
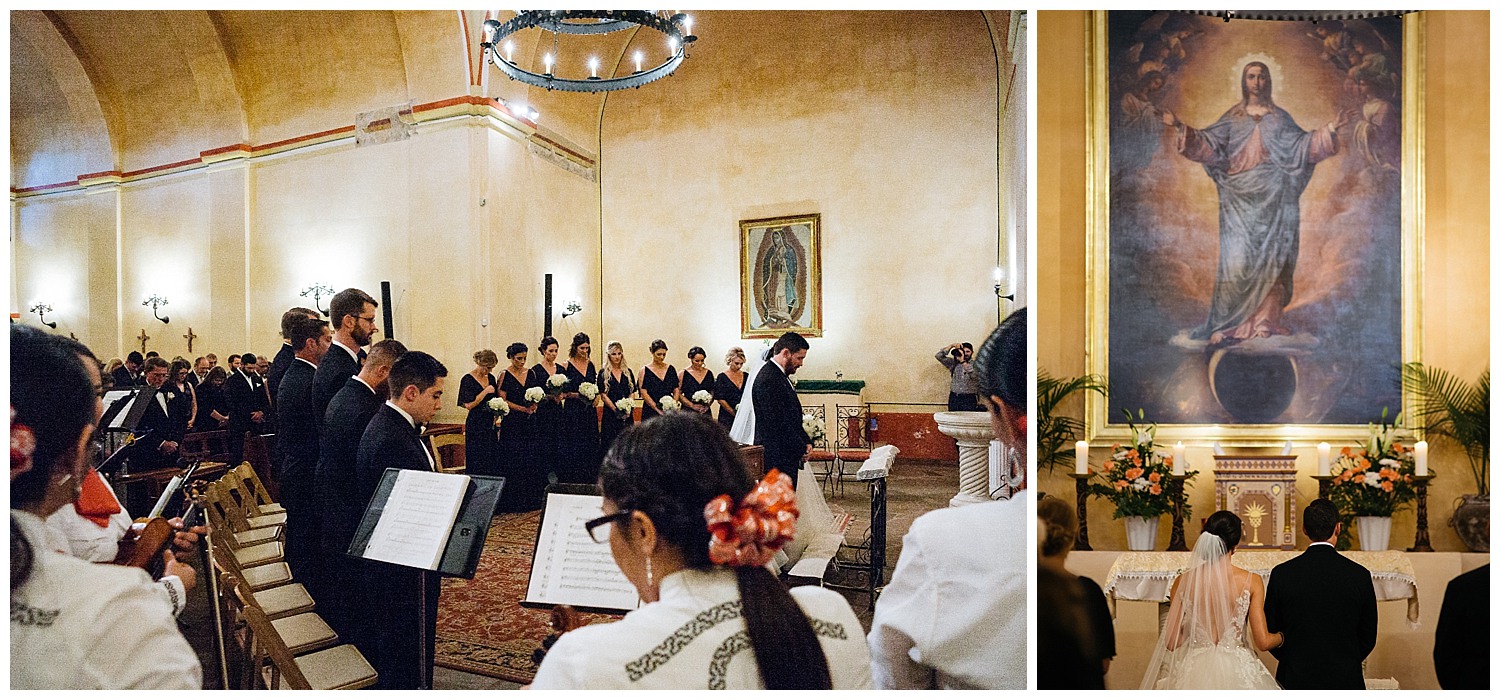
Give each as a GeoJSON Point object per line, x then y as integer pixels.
{"type": "Point", "coordinates": [670, 468]}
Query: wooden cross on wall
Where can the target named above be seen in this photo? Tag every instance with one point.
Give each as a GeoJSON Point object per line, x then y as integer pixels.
{"type": "Point", "coordinates": [143, 338]}
{"type": "Point", "coordinates": [190, 337]}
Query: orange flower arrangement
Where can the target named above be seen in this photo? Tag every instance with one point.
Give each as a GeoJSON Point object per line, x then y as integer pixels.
{"type": "Point", "coordinates": [1134, 478]}
{"type": "Point", "coordinates": [1375, 479]}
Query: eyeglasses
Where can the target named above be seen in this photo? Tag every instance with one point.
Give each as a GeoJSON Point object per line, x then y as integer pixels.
{"type": "Point", "coordinates": [596, 529]}
{"type": "Point", "coordinates": [371, 319]}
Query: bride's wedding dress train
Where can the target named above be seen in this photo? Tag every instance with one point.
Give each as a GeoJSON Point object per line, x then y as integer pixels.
{"type": "Point", "coordinates": [1229, 664]}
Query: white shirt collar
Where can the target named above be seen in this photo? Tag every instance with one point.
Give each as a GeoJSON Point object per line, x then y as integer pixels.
{"type": "Point", "coordinates": [309, 362]}
{"type": "Point", "coordinates": [353, 352]}
{"type": "Point", "coordinates": [1314, 544]}
{"type": "Point", "coordinates": [367, 385]}
{"type": "Point", "coordinates": [404, 414]}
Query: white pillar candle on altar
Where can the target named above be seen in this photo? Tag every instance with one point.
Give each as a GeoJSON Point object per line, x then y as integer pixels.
{"type": "Point", "coordinates": [1179, 459]}
{"type": "Point", "coordinates": [1421, 451]}
{"type": "Point", "coordinates": [1081, 452]}
{"type": "Point", "coordinates": [1323, 466]}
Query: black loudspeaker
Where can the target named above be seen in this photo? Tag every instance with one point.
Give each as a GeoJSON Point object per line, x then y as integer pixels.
{"type": "Point", "coordinates": [385, 303]}
{"type": "Point", "coordinates": [547, 306]}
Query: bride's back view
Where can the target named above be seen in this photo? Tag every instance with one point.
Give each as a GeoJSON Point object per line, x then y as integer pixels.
{"type": "Point", "coordinates": [1204, 643]}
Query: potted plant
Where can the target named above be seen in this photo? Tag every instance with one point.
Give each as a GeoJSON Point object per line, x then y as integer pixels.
{"type": "Point", "coordinates": [1055, 434]}
{"type": "Point", "coordinates": [1372, 483]}
{"type": "Point", "coordinates": [1137, 480]}
{"type": "Point", "coordinates": [1448, 407]}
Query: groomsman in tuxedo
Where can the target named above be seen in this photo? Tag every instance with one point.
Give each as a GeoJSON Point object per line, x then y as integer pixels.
{"type": "Point", "coordinates": [129, 374]}
{"type": "Point", "coordinates": [778, 412]}
{"type": "Point", "coordinates": [341, 499]}
{"type": "Point", "coordinates": [1461, 642]}
{"type": "Point", "coordinates": [404, 599]}
{"type": "Point", "coordinates": [1324, 604]}
{"type": "Point", "coordinates": [247, 406]}
{"type": "Point", "coordinates": [297, 445]}
{"type": "Point", "coordinates": [284, 355]}
{"type": "Point", "coordinates": [352, 313]}
{"type": "Point", "coordinates": [160, 448]}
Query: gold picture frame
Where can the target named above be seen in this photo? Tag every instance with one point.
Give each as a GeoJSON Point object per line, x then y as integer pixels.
{"type": "Point", "coordinates": [781, 276]}
{"type": "Point", "coordinates": [1104, 117]}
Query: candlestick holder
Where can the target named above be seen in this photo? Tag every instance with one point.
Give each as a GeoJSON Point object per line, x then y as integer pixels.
{"type": "Point", "coordinates": [1324, 484]}
{"type": "Point", "coordinates": [1081, 542]}
{"type": "Point", "coordinates": [1422, 543]}
{"type": "Point", "coordinates": [1178, 484]}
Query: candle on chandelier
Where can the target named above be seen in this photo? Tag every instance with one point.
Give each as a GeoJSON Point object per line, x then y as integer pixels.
{"type": "Point", "coordinates": [1179, 459]}
{"type": "Point", "coordinates": [593, 67]}
{"type": "Point", "coordinates": [637, 61]}
{"type": "Point", "coordinates": [1081, 452]}
{"type": "Point", "coordinates": [1421, 450]}
{"type": "Point", "coordinates": [510, 50]}
{"type": "Point", "coordinates": [1323, 466]}
{"type": "Point", "coordinates": [547, 61]}
{"type": "Point", "coordinates": [687, 25]}
{"type": "Point", "coordinates": [672, 43]}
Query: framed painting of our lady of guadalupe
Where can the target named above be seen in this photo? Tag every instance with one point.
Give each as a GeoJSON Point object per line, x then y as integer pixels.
{"type": "Point", "coordinates": [1255, 222]}
{"type": "Point", "coordinates": [781, 276]}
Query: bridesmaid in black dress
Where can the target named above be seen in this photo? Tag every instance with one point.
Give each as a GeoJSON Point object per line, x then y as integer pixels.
{"type": "Point", "coordinates": [696, 378]}
{"type": "Point", "coordinates": [658, 379]}
{"type": "Point", "coordinates": [730, 387]}
{"type": "Point", "coordinates": [524, 480]}
{"type": "Point", "coordinates": [475, 389]}
{"type": "Point", "coordinates": [578, 449]}
{"type": "Point", "coordinates": [618, 383]}
{"type": "Point", "coordinates": [546, 424]}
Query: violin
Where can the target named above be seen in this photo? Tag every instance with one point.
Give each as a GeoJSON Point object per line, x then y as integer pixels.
{"type": "Point", "coordinates": [564, 619]}
{"type": "Point", "coordinates": [146, 539]}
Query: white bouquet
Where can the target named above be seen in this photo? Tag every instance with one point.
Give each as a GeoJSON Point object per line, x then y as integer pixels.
{"type": "Point", "coordinates": [535, 394]}
{"type": "Point", "coordinates": [625, 406]}
{"type": "Point", "coordinates": [702, 397]}
{"type": "Point", "coordinates": [499, 406]}
{"type": "Point", "coordinates": [556, 382]}
{"type": "Point", "coordinates": [589, 390]}
{"type": "Point", "coordinates": [668, 403]}
{"type": "Point", "coordinates": [812, 427]}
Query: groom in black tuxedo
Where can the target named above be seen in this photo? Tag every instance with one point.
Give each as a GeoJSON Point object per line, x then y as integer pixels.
{"type": "Point", "coordinates": [1324, 604]}
{"type": "Point", "coordinates": [778, 412]}
{"type": "Point", "coordinates": [402, 601]}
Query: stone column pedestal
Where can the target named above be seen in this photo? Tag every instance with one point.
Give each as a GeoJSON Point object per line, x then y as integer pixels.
{"type": "Point", "coordinates": [972, 431]}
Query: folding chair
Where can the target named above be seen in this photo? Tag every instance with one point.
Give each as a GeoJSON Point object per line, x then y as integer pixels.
{"type": "Point", "coordinates": [820, 453]}
{"type": "Point", "coordinates": [448, 444]}
{"type": "Point", "coordinates": [853, 446]}
{"type": "Point", "coordinates": [278, 601]}
{"type": "Point", "coordinates": [230, 511]}
{"type": "Point", "coordinates": [276, 667]}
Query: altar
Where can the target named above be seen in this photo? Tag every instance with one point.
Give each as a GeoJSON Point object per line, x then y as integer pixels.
{"type": "Point", "coordinates": [1403, 650]}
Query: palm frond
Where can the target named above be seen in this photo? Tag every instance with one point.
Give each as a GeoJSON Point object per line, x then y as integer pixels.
{"type": "Point", "coordinates": [1451, 408]}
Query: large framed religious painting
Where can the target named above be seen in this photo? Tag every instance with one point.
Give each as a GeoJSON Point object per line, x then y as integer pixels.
{"type": "Point", "coordinates": [1255, 219]}
{"type": "Point", "coordinates": [781, 276]}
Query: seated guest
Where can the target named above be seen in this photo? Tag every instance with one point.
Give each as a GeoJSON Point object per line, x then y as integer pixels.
{"type": "Point", "coordinates": [1059, 529]}
{"type": "Point", "coordinates": [73, 624]}
{"type": "Point", "coordinates": [660, 481]}
{"type": "Point", "coordinates": [1461, 644]}
{"type": "Point", "coordinates": [954, 613]}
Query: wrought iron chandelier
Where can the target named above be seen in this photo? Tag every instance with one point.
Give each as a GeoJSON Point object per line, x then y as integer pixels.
{"type": "Point", "coordinates": [676, 29]}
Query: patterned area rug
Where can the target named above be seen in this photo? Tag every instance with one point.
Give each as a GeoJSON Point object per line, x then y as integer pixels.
{"type": "Point", "coordinates": [481, 626]}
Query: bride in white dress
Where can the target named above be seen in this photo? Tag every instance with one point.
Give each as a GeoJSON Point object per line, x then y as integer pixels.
{"type": "Point", "coordinates": [1217, 613]}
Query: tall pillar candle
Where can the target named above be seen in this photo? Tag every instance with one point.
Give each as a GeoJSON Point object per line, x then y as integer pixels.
{"type": "Point", "coordinates": [1081, 453]}
{"type": "Point", "coordinates": [1323, 465]}
{"type": "Point", "coordinates": [1179, 459]}
{"type": "Point", "coordinates": [1421, 457]}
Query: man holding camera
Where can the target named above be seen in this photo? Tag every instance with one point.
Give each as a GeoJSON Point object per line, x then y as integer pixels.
{"type": "Point", "coordinates": [963, 389]}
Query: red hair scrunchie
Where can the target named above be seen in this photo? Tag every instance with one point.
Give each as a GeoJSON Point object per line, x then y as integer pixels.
{"type": "Point", "coordinates": [764, 521]}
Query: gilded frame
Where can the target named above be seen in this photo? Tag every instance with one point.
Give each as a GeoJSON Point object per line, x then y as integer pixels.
{"type": "Point", "coordinates": [781, 276]}
{"type": "Point", "coordinates": [1105, 427]}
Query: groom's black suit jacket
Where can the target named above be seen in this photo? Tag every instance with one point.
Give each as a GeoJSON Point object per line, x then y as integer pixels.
{"type": "Point", "coordinates": [1325, 605]}
{"type": "Point", "coordinates": [778, 420]}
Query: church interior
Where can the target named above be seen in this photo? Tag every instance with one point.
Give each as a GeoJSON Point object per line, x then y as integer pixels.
{"type": "Point", "coordinates": [231, 165]}
{"type": "Point", "coordinates": [1447, 308]}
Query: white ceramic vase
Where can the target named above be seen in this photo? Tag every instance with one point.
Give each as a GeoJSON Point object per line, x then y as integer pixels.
{"type": "Point", "coordinates": [1374, 532]}
{"type": "Point", "coordinates": [1140, 532]}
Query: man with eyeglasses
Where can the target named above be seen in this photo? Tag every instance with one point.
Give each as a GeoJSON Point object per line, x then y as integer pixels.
{"type": "Point", "coordinates": [352, 313]}
{"type": "Point", "coordinates": [160, 448]}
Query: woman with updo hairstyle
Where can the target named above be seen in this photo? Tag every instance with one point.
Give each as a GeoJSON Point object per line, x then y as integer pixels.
{"type": "Point", "coordinates": [618, 384]}
{"type": "Point", "coordinates": [712, 615]}
{"type": "Point", "coordinates": [73, 624]}
{"type": "Point", "coordinates": [475, 390]}
{"type": "Point", "coordinates": [729, 388]}
{"type": "Point", "coordinates": [578, 445]}
{"type": "Point", "coordinates": [524, 479]}
{"type": "Point", "coordinates": [1059, 529]}
{"type": "Point", "coordinates": [1217, 612]}
{"type": "Point", "coordinates": [546, 423]}
{"type": "Point", "coordinates": [696, 378]}
{"type": "Point", "coordinates": [658, 379]}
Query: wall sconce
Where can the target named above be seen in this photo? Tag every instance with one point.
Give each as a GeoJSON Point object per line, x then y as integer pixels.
{"type": "Point", "coordinates": [41, 310]}
{"type": "Point", "coordinates": [318, 291]}
{"type": "Point", "coordinates": [156, 302]}
{"type": "Point", "coordinates": [999, 274]}
{"type": "Point", "coordinates": [573, 308]}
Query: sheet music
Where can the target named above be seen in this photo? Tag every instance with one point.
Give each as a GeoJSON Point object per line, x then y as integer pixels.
{"type": "Point", "coordinates": [109, 401]}
{"type": "Point", "coordinates": [413, 529]}
{"type": "Point", "coordinates": [571, 568]}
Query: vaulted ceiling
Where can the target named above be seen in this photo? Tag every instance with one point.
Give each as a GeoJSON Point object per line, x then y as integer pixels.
{"type": "Point", "coordinates": [121, 92]}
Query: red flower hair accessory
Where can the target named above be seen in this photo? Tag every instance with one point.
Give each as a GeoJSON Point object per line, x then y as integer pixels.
{"type": "Point", "coordinates": [22, 446]}
{"type": "Point", "coordinates": [750, 535]}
